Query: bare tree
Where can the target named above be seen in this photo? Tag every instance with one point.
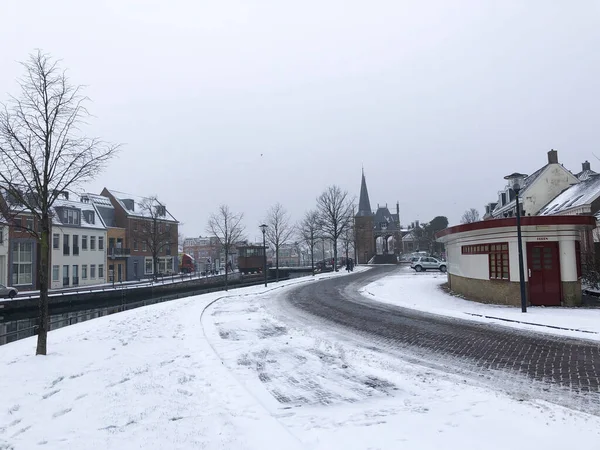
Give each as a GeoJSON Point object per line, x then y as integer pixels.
{"type": "Point", "coordinates": [154, 231]}
{"type": "Point", "coordinates": [227, 227]}
{"type": "Point", "coordinates": [470, 216]}
{"type": "Point", "coordinates": [347, 240]}
{"type": "Point", "coordinates": [309, 229]}
{"type": "Point", "coordinates": [42, 154]}
{"type": "Point", "coordinates": [279, 230]}
{"type": "Point", "coordinates": [335, 215]}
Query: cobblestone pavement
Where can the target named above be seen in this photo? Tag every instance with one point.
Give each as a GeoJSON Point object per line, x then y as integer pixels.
{"type": "Point", "coordinates": [568, 363]}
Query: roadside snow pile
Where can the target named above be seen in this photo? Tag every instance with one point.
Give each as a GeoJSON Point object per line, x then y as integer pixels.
{"type": "Point", "coordinates": [145, 378]}
{"type": "Point", "coordinates": [422, 292]}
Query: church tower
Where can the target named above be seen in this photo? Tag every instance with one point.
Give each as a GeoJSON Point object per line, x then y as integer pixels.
{"type": "Point", "coordinates": [363, 226]}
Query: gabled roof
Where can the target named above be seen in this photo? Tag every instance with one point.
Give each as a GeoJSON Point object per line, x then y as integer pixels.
{"type": "Point", "coordinates": [528, 182]}
{"type": "Point", "coordinates": [576, 196]}
{"type": "Point", "coordinates": [586, 174]}
{"type": "Point", "coordinates": [126, 201]}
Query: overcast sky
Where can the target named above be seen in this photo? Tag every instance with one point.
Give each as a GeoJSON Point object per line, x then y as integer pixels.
{"type": "Point", "coordinates": [252, 102]}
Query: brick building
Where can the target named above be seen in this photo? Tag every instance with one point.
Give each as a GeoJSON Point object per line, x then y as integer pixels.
{"type": "Point", "coordinates": [133, 217]}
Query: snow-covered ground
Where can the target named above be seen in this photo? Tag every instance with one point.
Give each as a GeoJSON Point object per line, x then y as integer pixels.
{"type": "Point", "coordinates": [230, 371]}
{"type": "Point", "coordinates": [421, 291]}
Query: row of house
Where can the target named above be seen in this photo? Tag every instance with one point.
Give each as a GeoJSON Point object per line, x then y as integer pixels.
{"type": "Point", "coordinates": [95, 239]}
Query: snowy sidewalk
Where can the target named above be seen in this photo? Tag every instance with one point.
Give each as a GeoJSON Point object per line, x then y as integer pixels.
{"type": "Point", "coordinates": [145, 378]}
{"type": "Point", "coordinates": [421, 291]}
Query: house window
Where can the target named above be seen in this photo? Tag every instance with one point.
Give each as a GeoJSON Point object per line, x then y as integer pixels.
{"type": "Point", "coordinates": [135, 226]}
{"type": "Point", "coordinates": [101, 271]}
{"type": "Point", "coordinates": [75, 245]}
{"type": "Point", "coordinates": [22, 263]}
{"type": "Point", "coordinates": [92, 242]}
{"type": "Point", "coordinates": [148, 266]}
{"type": "Point", "coordinates": [29, 223]}
{"type": "Point", "coordinates": [480, 249]}
{"type": "Point", "coordinates": [83, 242]}
{"type": "Point", "coordinates": [84, 272]}
{"type": "Point", "coordinates": [92, 271]}
{"type": "Point", "coordinates": [144, 247]}
{"type": "Point", "coordinates": [56, 241]}
{"type": "Point", "coordinates": [65, 275]}
{"type": "Point", "coordinates": [72, 217]}
{"type": "Point", "coordinates": [66, 249]}
{"type": "Point", "coordinates": [55, 273]}
{"type": "Point", "coordinates": [498, 260]}
{"type": "Point", "coordinates": [162, 265]}
{"type": "Point", "coordinates": [135, 246]}
{"type": "Point", "coordinates": [168, 248]}
{"type": "Point", "coordinates": [100, 242]}
{"type": "Point", "coordinates": [1, 235]}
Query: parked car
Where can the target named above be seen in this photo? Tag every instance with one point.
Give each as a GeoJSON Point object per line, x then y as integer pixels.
{"type": "Point", "coordinates": [7, 291]}
{"type": "Point", "coordinates": [428, 263]}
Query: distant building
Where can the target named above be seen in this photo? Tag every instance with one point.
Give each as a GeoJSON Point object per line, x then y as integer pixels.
{"type": "Point", "coordinates": [370, 228]}
{"type": "Point", "coordinates": [206, 251]}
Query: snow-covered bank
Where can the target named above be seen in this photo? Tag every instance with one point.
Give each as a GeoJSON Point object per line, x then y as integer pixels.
{"type": "Point", "coordinates": [145, 378]}
{"type": "Point", "coordinates": [422, 291]}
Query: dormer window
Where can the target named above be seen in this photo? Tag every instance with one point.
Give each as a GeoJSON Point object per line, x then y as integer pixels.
{"type": "Point", "coordinates": [503, 198]}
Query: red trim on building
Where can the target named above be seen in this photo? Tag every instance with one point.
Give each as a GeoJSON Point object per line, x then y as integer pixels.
{"type": "Point", "coordinates": [589, 221]}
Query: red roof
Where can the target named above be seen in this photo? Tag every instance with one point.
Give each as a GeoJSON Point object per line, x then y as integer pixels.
{"type": "Point", "coordinates": [586, 221]}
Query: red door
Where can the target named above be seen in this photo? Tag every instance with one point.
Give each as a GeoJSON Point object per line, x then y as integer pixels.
{"type": "Point", "coordinates": [544, 273]}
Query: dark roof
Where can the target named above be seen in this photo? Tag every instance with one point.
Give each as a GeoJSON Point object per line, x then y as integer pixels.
{"type": "Point", "coordinates": [364, 205]}
{"type": "Point", "coordinates": [384, 220]}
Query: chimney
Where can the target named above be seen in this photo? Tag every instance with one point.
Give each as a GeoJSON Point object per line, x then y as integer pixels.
{"type": "Point", "coordinates": [552, 157]}
{"type": "Point", "coordinates": [417, 223]}
{"type": "Point", "coordinates": [585, 166]}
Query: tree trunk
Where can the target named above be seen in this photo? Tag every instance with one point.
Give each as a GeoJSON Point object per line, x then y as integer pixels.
{"type": "Point", "coordinates": [276, 263]}
{"type": "Point", "coordinates": [335, 255]}
{"type": "Point", "coordinates": [43, 275]}
{"type": "Point", "coordinates": [312, 258]}
{"type": "Point", "coordinates": [226, 259]}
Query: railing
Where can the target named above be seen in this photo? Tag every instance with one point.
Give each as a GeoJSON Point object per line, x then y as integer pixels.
{"type": "Point", "coordinates": [66, 250]}
{"type": "Point", "coordinates": [115, 252]}
{"type": "Point", "coordinates": [75, 250]}
{"type": "Point", "coordinates": [65, 281]}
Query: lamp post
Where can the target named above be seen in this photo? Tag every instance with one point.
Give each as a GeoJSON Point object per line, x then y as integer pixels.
{"type": "Point", "coordinates": [263, 228]}
{"type": "Point", "coordinates": [515, 181]}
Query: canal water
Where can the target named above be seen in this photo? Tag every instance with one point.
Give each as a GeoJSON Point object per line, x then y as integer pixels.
{"type": "Point", "coordinates": [23, 325]}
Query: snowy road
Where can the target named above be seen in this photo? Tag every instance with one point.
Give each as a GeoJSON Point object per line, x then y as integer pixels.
{"type": "Point", "coordinates": [554, 361]}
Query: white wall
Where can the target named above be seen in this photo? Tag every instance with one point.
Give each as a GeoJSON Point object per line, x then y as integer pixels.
{"type": "Point", "coordinates": [85, 257]}
{"type": "Point", "coordinates": [477, 266]}
{"type": "Point", "coordinates": [546, 187]}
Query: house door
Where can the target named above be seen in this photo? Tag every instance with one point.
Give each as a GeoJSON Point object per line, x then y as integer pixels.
{"type": "Point", "coordinates": [120, 272]}
{"type": "Point", "coordinates": [544, 273]}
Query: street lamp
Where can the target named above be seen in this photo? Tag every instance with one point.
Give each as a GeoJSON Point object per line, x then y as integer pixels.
{"type": "Point", "coordinates": [515, 181]}
{"type": "Point", "coordinates": [263, 228]}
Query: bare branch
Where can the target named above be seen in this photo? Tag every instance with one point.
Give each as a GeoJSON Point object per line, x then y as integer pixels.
{"type": "Point", "coordinates": [227, 227]}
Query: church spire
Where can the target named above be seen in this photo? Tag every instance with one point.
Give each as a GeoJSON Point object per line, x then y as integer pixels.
{"type": "Point", "coordinates": [364, 205]}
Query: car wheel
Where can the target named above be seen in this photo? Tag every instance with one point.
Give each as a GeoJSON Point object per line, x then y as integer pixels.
{"type": "Point", "coordinates": [418, 268]}
{"type": "Point", "coordinates": [443, 268]}
{"type": "Point", "coordinates": [12, 294]}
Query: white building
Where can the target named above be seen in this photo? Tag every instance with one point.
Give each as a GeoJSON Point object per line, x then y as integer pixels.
{"type": "Point", "coordinates": [78, 245]}
{"type": "Point", "coordinates": [3, 255]}
{"type": "Point", "coordinates": [483, 261]}
{"type": "Point", "coordinates": [538, 189]}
